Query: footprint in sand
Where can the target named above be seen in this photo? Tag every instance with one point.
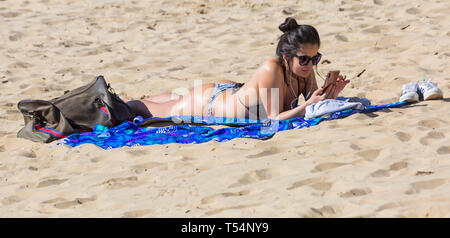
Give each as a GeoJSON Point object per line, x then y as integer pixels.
{"type": "Point", "coordinates": [257, 43]}
{"type": "Point", "coordinates": [269, 151]}
{"type": "Point", "coordinates": [137, 213]}
{"type": "Point", "coordinates": [322, 186]}
{"type": "Point", "coordinates": [138, 153]}
{"type": "Point", "coordinates": [367, 115]}
{"type": "Point", "coordinates": [76, 202]}
{"type": "Point", "coordinates": [19, 64]}
{"type": "Point", "coordinates": [10, 14]}
{"type": "Point", "coordinates": [380, 173]}
{"type": "Point", "coordinates": [375, 29]}
{"type": "Point", "coordinates": [55, 200]}
{"type": "Point", "coordinates": [98, 159]}
{"type": "Point", "coordinates": [66, 71]}
{"type": "Point", "coordinates": [68, 204]}
{"type": "Point", "coordinates": [431, 137]}
{"type": "Point", "coordinates": [356, 193]}
{"type": "Point", "coordinates": [96, 51]}
{"type": "Point", "coordinates": [429, 184]}
{"type": "Point", "coordinates": [389, 205]}
{"type": "Point", "coordinates": [216, 211]}
{"type": "Point", "coordinates": [380, 2]}
{"type": "Point", "coordinates": [355, 147]}
{"type": "Point", "coordinates": [84, 43]}
{"type": "Point", "coordinates": [256, 176]}
{"type": "Point", "coordinates": [134, 9]}
{"type": "Point", "coordinates": [413, 11]}
{"type": "Point", "coordinates": [402, 136]}
{"type": "Point", "coordinates": [369, 154]}
{"type": "Point", "coordinates": [443, 150]}
{"type": "Point", "coordinates": [117, 183]}
{"type": "Point", "coordinates": [325, 211]}
{"type": "Point", "coordinates": [176, 68]}
{"type": "Point", "coordinates": [15, 36]}
{"type": "Point", "coordinates": [23, 86]}
{"type": "Point", "coordinates": [140, 168]}
{"type": "Point", "coordinates": [51, 182]}
{"type": "Point", "coordinates": [329, 210]}
{"type": "Point", "coordinates": [340, 37]}
{"type": "Point", "coordinates": [327, 166]}
{"type": "Point", "coordinates": [306, 182]}
{"type": "Point", "coordinates": [232, 42]}
{"type": "Point", "coordinates": [15, 115]}
{"type": "Point", "coordinates": [333, 125]}
{"type": "Point", "coordinates": [25, 153]}
{"type": "Point", "coordinates": [386, 172]}
{"type": "Point", "coordinates": [11, 200]}
{"type": "Point", "coordinates": [429, 124]}
{"type": "Point", "coordinates": [212, 198]}
{"type": "Point", "coordinates": [398, 166]}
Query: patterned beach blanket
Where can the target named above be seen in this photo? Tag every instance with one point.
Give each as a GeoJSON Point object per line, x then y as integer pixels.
{"type": "Point", "coordinates": [134, 134]}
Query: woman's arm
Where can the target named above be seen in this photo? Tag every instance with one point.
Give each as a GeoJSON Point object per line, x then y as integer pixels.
{"type": "Point", "coordinates": [299, 111]}
{"type": "Point", "coordinates": [334, 90]}
{"type": "Point", "coordinates": [295, 112]}
{"type": "Point", "coordinates": [269, 86]}
{"type": "Point", "coordinates": [340, 85]}
{"type": "Point", "coordinates": [310, 87]}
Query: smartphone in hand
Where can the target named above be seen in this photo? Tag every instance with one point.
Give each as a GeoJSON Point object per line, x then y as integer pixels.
{"type": "Point", "coordinates": [331, 78]}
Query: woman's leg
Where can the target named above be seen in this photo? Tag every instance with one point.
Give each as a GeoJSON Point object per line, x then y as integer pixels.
{"type": "Point", "coordinates": [194, 103]}
{"type": "Point", "coordinates": [139, 108]}
{"type": "Point", "coordinates": [152, 109]}
{"type": "Point", "coordinates": [164, 97]}
{"type": "Point", "coordinates": [161, 108]}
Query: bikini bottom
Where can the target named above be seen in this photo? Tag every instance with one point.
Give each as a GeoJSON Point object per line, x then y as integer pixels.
{"type": "Point", "coordinates": [218, 89]}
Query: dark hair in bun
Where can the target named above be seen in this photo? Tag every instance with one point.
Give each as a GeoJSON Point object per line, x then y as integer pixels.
{"type": "Point", "coordinates": [294, 36]}
{"type": "Point", "coordinates": [288, 25]}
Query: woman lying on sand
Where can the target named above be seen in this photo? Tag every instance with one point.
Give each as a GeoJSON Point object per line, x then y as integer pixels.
{"type": "Point", "coordinates": [272, 92]}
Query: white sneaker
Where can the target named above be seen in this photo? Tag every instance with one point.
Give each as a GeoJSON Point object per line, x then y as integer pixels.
{"type": "Point", "coordinates": [430, 90]}
{"type": "Point", "coordinates": [409, 92]}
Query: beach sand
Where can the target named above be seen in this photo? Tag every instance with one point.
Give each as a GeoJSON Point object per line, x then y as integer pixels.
{"type": "Point", "coordinates": [390, 163]}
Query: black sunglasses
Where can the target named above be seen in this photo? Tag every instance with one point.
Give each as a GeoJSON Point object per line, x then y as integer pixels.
{"type": "Point", "coordinates": [304, 59]}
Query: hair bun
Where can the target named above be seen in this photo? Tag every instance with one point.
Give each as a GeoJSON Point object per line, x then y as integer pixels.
{"type": "Point", "coordinates": [288, 25]}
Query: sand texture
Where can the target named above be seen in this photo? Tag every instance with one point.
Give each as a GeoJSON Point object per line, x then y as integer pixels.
{"type": "Point", "coordinates": [391, 163]}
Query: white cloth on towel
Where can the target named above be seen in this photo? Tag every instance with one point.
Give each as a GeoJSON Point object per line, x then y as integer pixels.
{"type": "Point", "coordinates": [334, 105]}
{"type": "Point", "coordinates": [138, 120]}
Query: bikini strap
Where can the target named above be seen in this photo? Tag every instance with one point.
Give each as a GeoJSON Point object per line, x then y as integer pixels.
{"type": "Point", "coordinates": [284, 73]}
{"type": "Point", "coordinates": [298, 81]}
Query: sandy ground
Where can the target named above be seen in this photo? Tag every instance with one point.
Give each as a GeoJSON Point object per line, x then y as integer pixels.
{"type": "Point", "coordinates": [391, 163]}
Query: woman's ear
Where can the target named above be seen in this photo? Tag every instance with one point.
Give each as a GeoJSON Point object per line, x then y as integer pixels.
{"type": "Point", "coordinates": [284, 58]}
{"type": "Point", "coordinates": [286, 62]}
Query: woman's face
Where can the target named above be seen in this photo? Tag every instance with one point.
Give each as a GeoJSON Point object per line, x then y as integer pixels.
{"type": "Point", "coordinates": [304, 70]}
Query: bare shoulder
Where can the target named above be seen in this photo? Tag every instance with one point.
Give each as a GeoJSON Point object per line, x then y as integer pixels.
{"type": "Point", "coordinates": [271, 65]}
{"type": "Point", "coordinates": [268, 72]}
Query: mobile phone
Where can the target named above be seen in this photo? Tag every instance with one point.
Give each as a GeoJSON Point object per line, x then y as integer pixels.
{"type": "Point", "coordinates": [330, 79]}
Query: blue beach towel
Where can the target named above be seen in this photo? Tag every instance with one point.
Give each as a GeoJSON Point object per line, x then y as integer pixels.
{"type": "Point", "coordinates": [130, 134]}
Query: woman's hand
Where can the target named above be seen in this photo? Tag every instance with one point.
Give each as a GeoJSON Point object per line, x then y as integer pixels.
{"type": "Point", "coordinates": [317, 95]}
{"type": "Point", "coordinates": [338, 86]}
